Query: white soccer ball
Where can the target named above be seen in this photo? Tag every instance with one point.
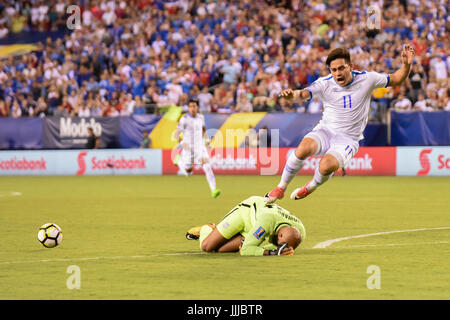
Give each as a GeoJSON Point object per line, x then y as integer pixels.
{"type": "Point", "coordinates": [50, 235]}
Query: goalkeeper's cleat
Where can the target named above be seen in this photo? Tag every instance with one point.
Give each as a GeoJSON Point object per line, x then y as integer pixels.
{"type": "Point", "coordinates": [302, 192]}
{"type": "Point", "coordinates": [215, 193]}
{"type": "Point", "coordinates": [194, 233]}
{"type": "Point", "coordinates": [274, 195]}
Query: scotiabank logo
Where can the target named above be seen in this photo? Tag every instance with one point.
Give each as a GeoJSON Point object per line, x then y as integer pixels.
{"type": "Point", "coordinates": [23, 164]}
{"type": "Point", "coordinates": [109, 163]}
{"type": "Point", "coordinates": [81, 163]}
{"type": "Point", "coordinates": [428, 162]}
{"type": "Point", "coordinates": [424, 162]}
{"type": "Point", "coordinates": [444, 163]}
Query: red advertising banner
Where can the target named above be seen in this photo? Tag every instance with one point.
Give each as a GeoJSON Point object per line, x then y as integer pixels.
{"type": "Point", "coordinates": [375, 161]}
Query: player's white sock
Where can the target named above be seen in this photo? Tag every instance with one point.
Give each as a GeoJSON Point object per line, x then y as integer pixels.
{"type": "Point", "coordinates": [209, 176]}
{"type": "Point", "coordinates": [182, 169]}
{"type": "Point", "coordinates": [204, 232]}
{"type": "Point", "coordinates": [293, 165]}
{"type": "Point", "coordinates": [318, 179]}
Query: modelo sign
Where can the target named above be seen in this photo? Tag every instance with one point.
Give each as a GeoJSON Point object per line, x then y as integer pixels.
{"type": "Point", "coordinates": [72, 133]}
{"type": "Point", "coordinates": [423, 161]}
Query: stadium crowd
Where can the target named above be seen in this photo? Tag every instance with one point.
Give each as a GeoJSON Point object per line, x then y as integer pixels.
{"type": "Point", "coordinates": [141, 56]}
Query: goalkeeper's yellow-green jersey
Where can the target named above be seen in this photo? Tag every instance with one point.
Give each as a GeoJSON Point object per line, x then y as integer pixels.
{"type": "Point", "coordinates": [258, 221]}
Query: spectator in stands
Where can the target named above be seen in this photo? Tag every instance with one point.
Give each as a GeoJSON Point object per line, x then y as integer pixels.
{"type": "Point", "coordinates": [205, 100]}
{"type": "Point", "coordinates": [262, 44]}
{"type": "Point", "coordinates": [315, 105]}
{"type": "Point", "coordinates": [421, 104]}
{"type": "Point", "coordinates": [4, 31]}
{"type": "Point", "coordinates": [4, 110]}
{"type": "Point", "coordinates": [243, 103]}
{"type": "Point", "coordinates": [139, 107]}
{"type": "Point", "coordinates": [402, 103]}
{"type": "Point", "coordinates": [416, 81]}
{"type": "Point", "coordinates": [42, 108]}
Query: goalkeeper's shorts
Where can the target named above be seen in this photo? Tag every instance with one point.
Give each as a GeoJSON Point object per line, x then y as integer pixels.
{"type": "Point", "coordinates": [234, 222]}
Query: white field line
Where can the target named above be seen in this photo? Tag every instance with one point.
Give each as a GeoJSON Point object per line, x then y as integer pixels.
{"type": "Point", "coordinates": [320, 245]}
{"type": "Point", "coordinates": [393, 244]}
{"type": "Point", "coordinates": [9, 194]}
{"type": "Point", "coordinates": [102, 258]}
{"type": "Point", "coordinates": [327, 243]}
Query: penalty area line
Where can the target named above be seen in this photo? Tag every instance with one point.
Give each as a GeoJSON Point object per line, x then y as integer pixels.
{"type": "Point", "coordinates": [327, 243]}
{"type": "Point", "coordinates": [11, 194]}
{"type": "Point", "coordinates": [139, 256]}
{"type": "Point", "coordinates": [392, 244]}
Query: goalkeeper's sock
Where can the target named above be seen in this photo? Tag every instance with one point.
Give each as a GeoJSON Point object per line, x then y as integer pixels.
{"type": "Point", "coordinates": [293, 165]}
{"type": "Point", "coordinates": [204, 232]}
{"type": "Point", "coordinates": [209, 176]}
{"type": "Point", "coordinates": [318, 180]}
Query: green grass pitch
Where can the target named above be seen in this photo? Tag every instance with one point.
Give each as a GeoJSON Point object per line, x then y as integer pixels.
{"type": "Point", "coordinates": [127, 236]}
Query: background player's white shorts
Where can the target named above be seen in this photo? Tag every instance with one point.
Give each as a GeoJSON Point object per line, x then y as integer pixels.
{"type": "Point", "coordinates": [339, 145]}
{"type": "Point", "coordinates": [194, 155]}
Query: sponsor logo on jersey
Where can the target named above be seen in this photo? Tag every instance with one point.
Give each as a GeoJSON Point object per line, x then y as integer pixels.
{"type": "Point", "coordinates": [259, 233]}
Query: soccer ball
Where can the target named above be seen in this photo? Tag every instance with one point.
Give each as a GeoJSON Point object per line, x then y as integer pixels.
{"type": "Point", "coordinates": [50, 235]}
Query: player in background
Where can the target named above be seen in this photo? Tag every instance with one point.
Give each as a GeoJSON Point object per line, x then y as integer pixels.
{"type": "Point", "coordinates": [246, 228]}
{"type": "Point", "coordinates": [346, 95]}
{"type": "Point", "coordinates": [193, 141]}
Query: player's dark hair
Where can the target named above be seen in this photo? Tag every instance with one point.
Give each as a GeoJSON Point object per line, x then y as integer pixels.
{"type": "Point", "coordinates": [338, 53]}
{"type": "Point", "coordinates": [193, 100]}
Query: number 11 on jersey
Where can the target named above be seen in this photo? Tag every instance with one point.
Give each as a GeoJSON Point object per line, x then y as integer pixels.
{"type": "Point", "coordinates": [347, 101]}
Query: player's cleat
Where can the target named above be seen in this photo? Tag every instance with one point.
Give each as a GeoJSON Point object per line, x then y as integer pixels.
{"type": "Point", "coordinates": [176, 160]}
{"type": "Point", "coordinates": [194, 232]}
{"type": "Point", "coordinates": [215, 193]}
{"type": "Point", "coordinates": [274, 195]}
{"type": "Point", "coordinates": [301, 193]}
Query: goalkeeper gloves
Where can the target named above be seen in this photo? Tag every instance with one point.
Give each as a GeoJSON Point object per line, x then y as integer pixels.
{"type": "Point", "coordinates": [283, 249]}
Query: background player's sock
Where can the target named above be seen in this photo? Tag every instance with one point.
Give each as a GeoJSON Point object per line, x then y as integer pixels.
{"type": "Point", "coordinates": [318, 180]}
{"type": "Point", "coordinates": [182, 170]}
{"type": "Point", "coordinates": [204, 232]}
{"type": "Point", "coordinates": [293, 165]}
{"type": "Point", "coordinates": [209, 176]}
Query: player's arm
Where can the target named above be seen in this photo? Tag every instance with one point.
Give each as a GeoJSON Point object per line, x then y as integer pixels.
{"type": "Point", "coordinates": [296, 95]}
{"type": "Point", "coordinates": [177, 135]}
{"type": "Point", "coordinates": [180, 128]}
{"type": "Point", "coordinates": [205, 136]}
{"type": "Point", "coordinates": [251, 245]}
{"type": "Point", "coordinates": [401, 74]}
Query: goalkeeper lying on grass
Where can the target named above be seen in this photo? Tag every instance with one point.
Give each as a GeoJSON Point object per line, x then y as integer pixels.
{"type": "Point", "coordinates": [247, 226]}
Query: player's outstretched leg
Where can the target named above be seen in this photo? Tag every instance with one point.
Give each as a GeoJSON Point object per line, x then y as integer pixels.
{"type": "Point", "coordinates": [327, 165]}
{"type": "Point", "coordinates": [293, 165]}
{"type": "Point", "coordinates": [211, 179]}
{"type": "Point", "coordinates": [182, 168]}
